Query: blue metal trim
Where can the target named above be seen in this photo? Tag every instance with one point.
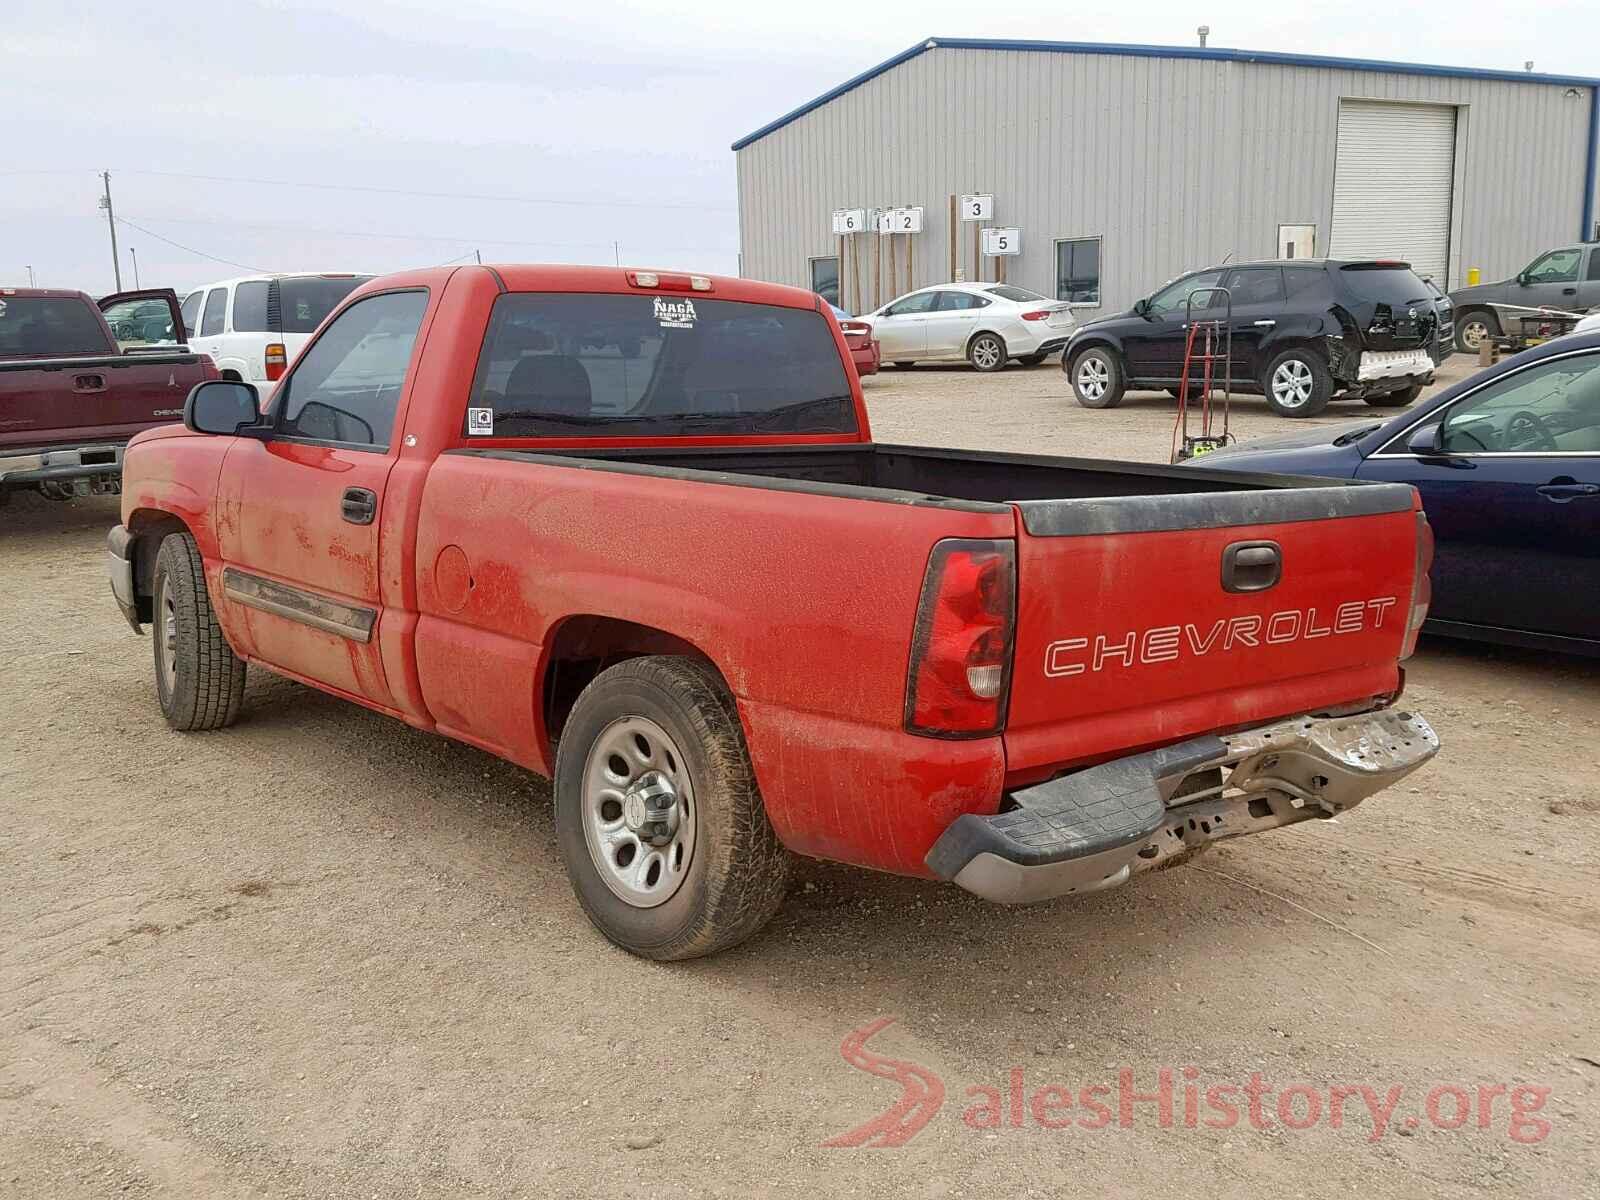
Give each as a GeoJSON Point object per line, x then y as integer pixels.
{"type": "Point", "coordinates": [1587, 233]}
{"type": "Point", "coordinates": [1264, 57]}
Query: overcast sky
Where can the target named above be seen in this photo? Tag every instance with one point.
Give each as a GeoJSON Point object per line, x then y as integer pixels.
{"type": "Point", "coordinates": [556, 129]}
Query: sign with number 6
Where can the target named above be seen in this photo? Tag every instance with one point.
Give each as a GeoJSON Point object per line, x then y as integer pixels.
{"type": "Point", "coordinates": [849, 220]}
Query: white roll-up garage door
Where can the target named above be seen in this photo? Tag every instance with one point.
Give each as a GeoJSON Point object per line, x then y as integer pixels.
{"type": "Point", "coordinates": [1392, 182]}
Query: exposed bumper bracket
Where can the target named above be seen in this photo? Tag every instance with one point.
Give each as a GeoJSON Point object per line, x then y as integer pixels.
{"type": "Point", "coordinates": [1099, 827]}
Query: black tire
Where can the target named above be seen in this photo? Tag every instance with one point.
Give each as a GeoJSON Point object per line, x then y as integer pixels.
{"type": "Point", "coordinates": [199, 679]}
{"type": "Point", "coordinates": [1032, 360]}
{"type": "Point", "coordinates": [738, 870]}
{"type": "Point", "coordinates": [1307, 389]}
{"type": "Point", "coordinates": [1472, 325]}
{"type": "Point", "coordinates": [1097, 389]}
{"type": "Point", "coordinates": [987, 352]}
{"type": "Point", "coordinates": [1406, 395]}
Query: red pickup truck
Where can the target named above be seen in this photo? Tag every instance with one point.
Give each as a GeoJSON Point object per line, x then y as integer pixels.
{"type": "Point", "coordinates": [78, 379]}
{"type": "Point", "coordinates": [686, 584]}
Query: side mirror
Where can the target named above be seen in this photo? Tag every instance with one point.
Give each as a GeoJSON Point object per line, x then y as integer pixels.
{"type": "Point", "coordinates": [1427, 441]}
{"type": "Point", "coordinates": [1524, 278]}
{"type": "Point", "coordinates": [1141, 307]}
{"type": "Point", "coordinates": [221, 406]}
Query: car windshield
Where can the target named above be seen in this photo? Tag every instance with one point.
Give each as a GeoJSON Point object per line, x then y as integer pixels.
{"type": "Point", "coordinates": [307, 299]}
{"type": "Point", "coordinates": [41, 326]}
{"type": "Point", "coordinates": [565, 365]}
{"type": "Point", "coordinates": [1017, 295]}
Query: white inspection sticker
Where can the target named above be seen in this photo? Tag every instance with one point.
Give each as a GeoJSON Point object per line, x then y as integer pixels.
{"type": "Point", "coordinates": [480, 422]}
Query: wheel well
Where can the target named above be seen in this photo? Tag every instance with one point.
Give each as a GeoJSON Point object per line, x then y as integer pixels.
{"type": "Point", "coordinates": [1088, 344]}
{"type": "Point", "coordinates": [583, 646]}
{"type": "Point", "coordinates": [148, 526]}
{"type": "Point", "coordinates": [234, 376]}
{"type": "Point", "coordinates": [978, 333]}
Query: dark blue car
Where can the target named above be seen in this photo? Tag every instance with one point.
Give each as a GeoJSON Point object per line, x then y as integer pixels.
{"type": "Point", "coordinates": [1508, 465]}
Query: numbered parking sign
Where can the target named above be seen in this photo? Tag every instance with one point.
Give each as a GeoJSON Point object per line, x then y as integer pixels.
{"type": "Point", "coordinates": [977, 208]}
{"type": "Point", "coordinates": [908, 220]}
{"type": "Point", "coordinates": [997, 243]}
{"type": "Point", "coordinates": [849, 220]}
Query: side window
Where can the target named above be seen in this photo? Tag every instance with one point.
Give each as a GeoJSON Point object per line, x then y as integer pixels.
{"type": "Point", "coordinates": [250, 306]}
{"type": "Point", "coordinates": [921, 302]}
{"type": "Point", "coordinates": [1553, 407]}
{"type": "Point", "coordinates": [346, 386]}
{"type": "Point", "coordinates": [138, 324]}
{"type": "Point", "coordinates": [959, 301]}
{"type": "Point", "coordinates": [1594, 264]}
{"type": "Point", "coordinates": [216, 307]}
{"type": "Point", "coordinates": [1078, 270]}
{"type": "Point", "coordinates": [825, 278]}
{"type": "Point", "coordinates": [1559, 266]}
{"type": "Point", "coordinates": [1300, 279]}
{"type": "Point", "coordinates": [1175, 296]}
{"type": "Point", "coordinates": [191, 312]}
{"type": "Point", "coordinates": [1255, 285]}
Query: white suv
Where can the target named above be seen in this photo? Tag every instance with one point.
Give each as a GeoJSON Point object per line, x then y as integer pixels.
{"type": "Point", "coordinates": [252, 327]}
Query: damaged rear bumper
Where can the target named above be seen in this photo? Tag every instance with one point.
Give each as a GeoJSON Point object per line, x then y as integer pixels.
{"type": "Point", "coordinates": [1099, 827]}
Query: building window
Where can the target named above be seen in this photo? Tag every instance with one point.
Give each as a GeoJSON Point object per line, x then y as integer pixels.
{"type": "Point", "coordinates": [1078, 270]}
{"type": "Point", "coordinates": [825, 278]}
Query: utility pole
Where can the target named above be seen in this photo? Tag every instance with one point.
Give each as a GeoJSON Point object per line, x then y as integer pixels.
{"type": "Point", "coordinates": [616, 251]}
{"type": "Point", "coordinates": [133, 254]}
{"type": "Point", "coordinates": [111, 224]}
{"type": "Point", "coordinates": [30, 277]}
{"type": "Point", "coordinates": [478, 254]}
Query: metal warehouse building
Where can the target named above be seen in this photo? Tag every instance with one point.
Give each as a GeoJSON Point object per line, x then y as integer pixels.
{"type": "Point", "coordinates": [1122, 166]}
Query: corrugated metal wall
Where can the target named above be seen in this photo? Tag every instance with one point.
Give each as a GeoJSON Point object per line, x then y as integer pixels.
{"type": "Point", "coordinates": [1176, 163]}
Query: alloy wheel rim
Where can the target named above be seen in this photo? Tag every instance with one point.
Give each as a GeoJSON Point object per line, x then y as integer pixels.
{"type": "Point", "coordinates": [986, 352]}
{"type": "Point", "coordinates": [1473, 333]}
{"type": "Point", "coordinates": [1291, 383]}
{"type": "Point", "coordinates": [1093, 378]}
{"type": "Point", "coordinates": [639, 811]}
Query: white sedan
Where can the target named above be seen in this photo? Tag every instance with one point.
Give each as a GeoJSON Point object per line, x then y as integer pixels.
{"type": "Point", "coordinates": [988, 324]}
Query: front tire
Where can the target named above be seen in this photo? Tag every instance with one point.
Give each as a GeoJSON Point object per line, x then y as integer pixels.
{"type": "Point", "coordinates": [199, 679]}
{"type": "Point", "coordinates": [1097, 379]}
{"type": "Point", "coordinates": [987, 352]}
{"type": "Point", "coordinates": [1297, 383]}
{"type": "Point", "coordinates": [1473, 327]}
{"type": "Point", "coordinates": [660, 821]}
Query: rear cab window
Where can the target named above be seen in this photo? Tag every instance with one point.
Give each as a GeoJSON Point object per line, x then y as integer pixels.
{"type": "Point", "coordinates": [50, 326]}
{"type": "Point", "coordinates": [306, 300]}
{"type": "Point", "coordinates": [591, 365]}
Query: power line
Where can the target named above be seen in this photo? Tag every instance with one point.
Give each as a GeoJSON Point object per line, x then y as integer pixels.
{"type": "Point", "coordinates": [455, 239]}
{"type": "Point", "coordinates": [190, 249]}
{"type": "Point", "coordinates": [385, 191]}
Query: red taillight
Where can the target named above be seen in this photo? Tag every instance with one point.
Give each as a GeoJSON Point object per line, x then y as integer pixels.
{"type": "Point", "coordinates": [960, 676]}
{"type": "Point", "coordinates": [1421, 587]}
{"type": "Point", "coordinates": [277, 360]}
{"type": "Point", "coordinates": [1037, 314]}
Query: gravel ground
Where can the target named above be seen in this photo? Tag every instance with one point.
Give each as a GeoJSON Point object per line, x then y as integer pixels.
{"type": "Point", "coordinates": [320, 954]}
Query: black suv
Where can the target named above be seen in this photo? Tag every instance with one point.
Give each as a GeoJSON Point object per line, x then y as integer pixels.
{"type": "Point", "coordinates": [1302, 330]}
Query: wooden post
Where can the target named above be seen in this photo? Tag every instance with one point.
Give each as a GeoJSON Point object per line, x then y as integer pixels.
{"type": "Point", "coordinates": [977, 252]}
{"type": "Point", "coordinates": [877, 268]}
{"type": "Point", "coordinates": [911, 273]}
{"type": "Point", "coordinates": [838, 275]}
{"type": "Point", "coordinates": [894, 269]}
{"type": "Point", "coordinates": [855, 273]}
{"type": "Point", "coordinates": [955, 222]}
{"type": "Point", "coordinates": [1000, 268]}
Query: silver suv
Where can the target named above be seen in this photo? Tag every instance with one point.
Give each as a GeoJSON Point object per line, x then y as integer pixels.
{"type": "Point", "coordinates": [1568, 279]}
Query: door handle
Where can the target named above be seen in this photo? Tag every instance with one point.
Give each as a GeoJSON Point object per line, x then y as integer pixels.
{"type": "Point", "coordinates": [1251, 566]}
{"type": "Point", "coordinates": [1565, 493]}
{"type": "Point", "coordinates": [359, 506]}
{"type": "Point", "coordinates": [1569, 291]}
{"type": "Point", "coordinates": [1264, 324]}
{"type": "Point", "coordinates": [89, 383]}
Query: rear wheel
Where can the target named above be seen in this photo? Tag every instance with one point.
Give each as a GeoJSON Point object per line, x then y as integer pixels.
{"type": "Point", "coordinates": [1097, 380]}
{"type": "Point", "coordinates": [199, 679]}
{"type": "Point", "coordinates": [1473, 327]}
{"type": "Point", "coordinates": [1297, 384]}
{"type": "Point", "coordinates": [987, 352]}
{"type": "Point", "coordinates": [660, 822]}
{"type": "Point", "coordinates": [1398, 399]}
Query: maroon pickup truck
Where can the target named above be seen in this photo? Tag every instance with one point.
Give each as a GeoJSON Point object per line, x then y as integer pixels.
{"type": "Point", "coordinates": [78, 379]}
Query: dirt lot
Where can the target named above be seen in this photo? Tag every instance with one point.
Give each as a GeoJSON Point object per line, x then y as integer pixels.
{"type": "Point", "coordinates": [321, 954]}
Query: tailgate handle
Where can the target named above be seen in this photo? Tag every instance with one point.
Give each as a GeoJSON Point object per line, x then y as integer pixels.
{"type": "Point", "coordinates": [89, 383]}
{"type": "Point", "coordinates": [1251, 566]}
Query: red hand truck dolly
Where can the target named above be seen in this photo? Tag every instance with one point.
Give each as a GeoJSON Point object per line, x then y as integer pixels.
{"type": "Point", "coordinates": [1208, 345]}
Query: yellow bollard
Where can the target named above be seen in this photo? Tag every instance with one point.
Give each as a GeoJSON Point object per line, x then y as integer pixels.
{"type": "Point", "coordinates": [1474, 276]}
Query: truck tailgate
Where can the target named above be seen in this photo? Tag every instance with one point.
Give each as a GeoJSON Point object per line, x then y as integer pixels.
{"type": "Point", "coordinates": [1142, 620]}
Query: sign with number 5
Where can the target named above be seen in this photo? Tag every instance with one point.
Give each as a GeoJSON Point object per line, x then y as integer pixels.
{"type": "Point", "coordinates": [998, 243]}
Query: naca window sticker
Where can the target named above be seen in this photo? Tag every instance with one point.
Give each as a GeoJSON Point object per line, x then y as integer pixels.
{"type": "Point", "coordinates": [675, 314]}
{"type": "Point", "coordinates": [480, 422]}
